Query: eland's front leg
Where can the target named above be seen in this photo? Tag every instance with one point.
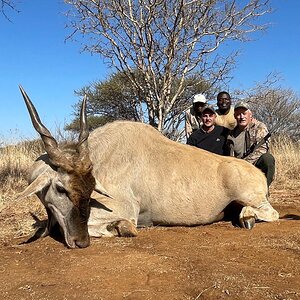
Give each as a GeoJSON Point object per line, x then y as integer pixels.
{"type": "Point", "coordinates": [111, 217]}
{"type": "Point", "coordinates": [121, 228]}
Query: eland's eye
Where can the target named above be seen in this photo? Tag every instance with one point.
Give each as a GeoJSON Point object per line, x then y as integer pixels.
{"type": "Point", "coordinates": [60, 188]}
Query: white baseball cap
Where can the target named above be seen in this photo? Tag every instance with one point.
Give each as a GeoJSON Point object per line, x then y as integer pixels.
{"type": "Point", "coordinates": [199, 98]}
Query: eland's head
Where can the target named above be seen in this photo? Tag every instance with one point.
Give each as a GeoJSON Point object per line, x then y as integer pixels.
{"type": "Point", "coordinates": [65, 182]}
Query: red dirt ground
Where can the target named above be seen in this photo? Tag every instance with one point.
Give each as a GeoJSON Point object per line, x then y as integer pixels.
{"type": "Point", "coordinates": [216, 261]}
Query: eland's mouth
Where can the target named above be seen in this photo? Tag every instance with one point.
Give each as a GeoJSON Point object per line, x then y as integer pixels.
{"type": "Point", "coordinates": [70, 240]}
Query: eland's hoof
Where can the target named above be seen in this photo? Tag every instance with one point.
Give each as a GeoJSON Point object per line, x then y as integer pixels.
{"type": "Point", "coordinates": [247, 222]}
{"type": "Point", "coordinates": [123, 228]}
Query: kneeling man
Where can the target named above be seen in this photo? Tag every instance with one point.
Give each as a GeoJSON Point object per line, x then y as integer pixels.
{"type": "Point", "coordinates": [243, 138]}
{"type": "Point", "coordinates": [209, 136]}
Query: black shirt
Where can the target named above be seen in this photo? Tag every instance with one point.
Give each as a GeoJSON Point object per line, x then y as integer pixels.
{"type": "Point", "coordinates": [213, 141]}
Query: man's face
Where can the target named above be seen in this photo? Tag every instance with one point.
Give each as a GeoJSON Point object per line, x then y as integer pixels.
{"type": "Point", "coordinates": [198, 106]}
{"type": "Point", "coordinates": [208, 118]}
{"type": "Point", "coordinates": [224, 102]}
{"type": "Point", "coordinates": [243, 116]}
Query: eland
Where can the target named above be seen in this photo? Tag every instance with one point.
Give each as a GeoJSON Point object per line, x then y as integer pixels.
{"type": "Point", "coordinates": [127, 174]}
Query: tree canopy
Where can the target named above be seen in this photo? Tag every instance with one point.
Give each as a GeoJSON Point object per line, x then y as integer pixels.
{"type": "Point", "coordinates": [160, 45]}
{"type": "Point", "coordinates": [115, 99]}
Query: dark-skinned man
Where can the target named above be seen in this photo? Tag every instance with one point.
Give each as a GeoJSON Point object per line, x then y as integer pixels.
{"type": "Point", "coordinates": [225, 112]}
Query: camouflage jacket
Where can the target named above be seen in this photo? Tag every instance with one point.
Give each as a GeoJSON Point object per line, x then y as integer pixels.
{"type": "Point", "coordinates": [253, 134]}
{"type": "Point", "coordinates": [192, 122]}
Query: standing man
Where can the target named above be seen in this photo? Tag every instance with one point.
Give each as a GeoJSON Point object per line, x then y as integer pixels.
{"type": "Point", "coordinates": [225, 112]}
{"type": "Point", "coordinates": [209, 136]}
{"type": "Point", "coordinates": [193, 114]}
{"type": "Point", "coordinates": [245, 136]}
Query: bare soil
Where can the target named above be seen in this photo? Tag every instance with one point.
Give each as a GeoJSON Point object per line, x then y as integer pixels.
{"type": "Point", "coordinates": [217, 261]}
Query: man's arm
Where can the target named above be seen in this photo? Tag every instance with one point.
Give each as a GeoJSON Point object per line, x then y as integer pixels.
{"type": "Point", "coordinates": [260, 132]}
{"type": "Point", "coordinates": [188, 126]}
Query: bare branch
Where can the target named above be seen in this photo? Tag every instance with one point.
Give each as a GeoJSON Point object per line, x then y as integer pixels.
{"type": "Point", "coordinates": [276, 106]}
{"type": "Point", "coordinates": [166, 41]}
{"type": "Point", "coordinates": [7, 4]}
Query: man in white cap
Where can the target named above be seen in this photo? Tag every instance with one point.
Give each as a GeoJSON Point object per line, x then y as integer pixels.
{"type": "Point", "coordinates": [248, 133]}
{"type": "Point", "coordinates": [193, 114]}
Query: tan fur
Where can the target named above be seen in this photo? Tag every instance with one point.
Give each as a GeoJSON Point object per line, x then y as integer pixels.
{"type": "Point", "coordinates": [151, 180]}
{"type": "Point", "coordinates": [164, 182]}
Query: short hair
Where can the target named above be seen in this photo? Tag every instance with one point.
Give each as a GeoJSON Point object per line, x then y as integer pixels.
{"type": "Point", "coordinates": [223, 92]}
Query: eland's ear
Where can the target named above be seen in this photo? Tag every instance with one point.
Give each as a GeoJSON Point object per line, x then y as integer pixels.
{"type": "Point", "coordinates": [36, 186]}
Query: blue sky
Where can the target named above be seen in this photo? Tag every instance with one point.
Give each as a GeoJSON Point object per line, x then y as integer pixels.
{"type": "Point", "coordinates": [34, 54]}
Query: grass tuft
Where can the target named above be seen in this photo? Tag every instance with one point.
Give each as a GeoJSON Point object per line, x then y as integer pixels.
{"type": "Point", "coordinates": [287, 156]}
{"type": "Point", "coordinates": [14, 163]}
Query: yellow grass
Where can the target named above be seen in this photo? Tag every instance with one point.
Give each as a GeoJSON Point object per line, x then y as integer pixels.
{"type": "Point", "coordinates": [287, 156]}
{"type": "Point", "coordinates": [14, 163]}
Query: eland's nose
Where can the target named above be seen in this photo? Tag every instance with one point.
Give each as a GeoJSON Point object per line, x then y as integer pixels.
{"type": "Point", "coordinates": [83, 243]}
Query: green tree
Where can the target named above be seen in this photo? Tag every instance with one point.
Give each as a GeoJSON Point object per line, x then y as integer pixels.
{"type": "Point", "coordinates": [117, 99]}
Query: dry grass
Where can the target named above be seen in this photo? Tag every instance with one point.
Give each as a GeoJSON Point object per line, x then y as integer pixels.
{"type": "Point", "coordinates": [287, 155]}
{"type": "Point", "coordinates": [14, 163]}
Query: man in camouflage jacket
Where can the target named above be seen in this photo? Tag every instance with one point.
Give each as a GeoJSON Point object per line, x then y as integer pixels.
{"type": "Point", "coordinates": [247, 133]}
{"type": "Point", "coordinates": [193, 114]}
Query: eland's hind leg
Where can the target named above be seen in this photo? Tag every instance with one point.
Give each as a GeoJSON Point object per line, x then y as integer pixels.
{"type": "Point", "coordinates": [263, 212]}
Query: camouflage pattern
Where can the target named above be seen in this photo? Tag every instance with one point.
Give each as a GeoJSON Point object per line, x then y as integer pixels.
{"type": "Point", "coordinates": [254, 133]}
{"type": "Point", "coordinates": [192, 122]}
